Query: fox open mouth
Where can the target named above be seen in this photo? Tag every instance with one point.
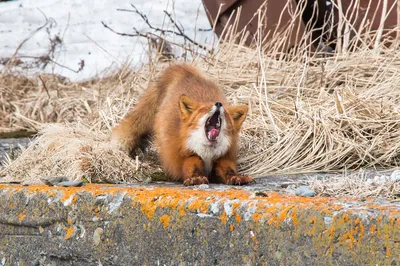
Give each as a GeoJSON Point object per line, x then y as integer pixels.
{"type": "Point", "coordinates": [213, 126]}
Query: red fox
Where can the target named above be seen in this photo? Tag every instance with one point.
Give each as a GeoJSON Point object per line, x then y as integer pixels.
{"type": "Point", "coordinates": [195, 129]}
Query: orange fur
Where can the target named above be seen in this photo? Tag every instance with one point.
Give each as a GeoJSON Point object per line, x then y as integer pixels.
{"type": "Point", "coordinates": [173, 109]}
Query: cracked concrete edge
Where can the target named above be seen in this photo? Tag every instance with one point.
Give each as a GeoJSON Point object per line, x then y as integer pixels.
{"type": "Point", "coordinates": [114, 225]}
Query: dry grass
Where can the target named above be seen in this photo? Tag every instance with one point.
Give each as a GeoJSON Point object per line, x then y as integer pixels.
{"type": "Point", "coordinates": [77, 152]}
{"type": "Point", "coordinates": [359, 184]}
{"type": "Point", "coordinates": [308, 112]}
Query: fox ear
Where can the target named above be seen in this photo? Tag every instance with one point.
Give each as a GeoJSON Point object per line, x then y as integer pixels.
{"type": "Point", "coordinates": [238, 114]}
{"type": "Point", "coordinates": [187, 105]}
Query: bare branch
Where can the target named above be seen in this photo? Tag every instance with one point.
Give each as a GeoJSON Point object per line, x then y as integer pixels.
{"type": "Point", "coordinates": [136, 34]}
{"type": "Point", "coordinates": [180, 30]}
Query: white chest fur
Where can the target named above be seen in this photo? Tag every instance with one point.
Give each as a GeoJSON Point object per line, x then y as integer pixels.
{"type": "Point", "coordinates": [199, 144]}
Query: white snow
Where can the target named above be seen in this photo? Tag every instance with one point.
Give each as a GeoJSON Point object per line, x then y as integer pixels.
{"type": "Point", "coordinates": [85, 38]}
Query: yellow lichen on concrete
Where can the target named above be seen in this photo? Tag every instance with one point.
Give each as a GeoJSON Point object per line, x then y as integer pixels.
{"type": "Point", "coordinates": [70, 231]}
{"type": "Point", "coordinates": [275, 209]}
{"type": "Point", "coordinates": [333, 225]}
{"type": "Point", "coordinates": [165, 219]}
{"type": "Point", "coordinates": [238, 218]}
{"type": "Point", "coordinates": [22, 216]}
{"type": "Point", "coordinates": [182, 210]}
{"type": "Point", "coordinates": [224, 217]}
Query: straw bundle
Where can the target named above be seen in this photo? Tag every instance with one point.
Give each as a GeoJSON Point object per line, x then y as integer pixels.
{"type": "Point", "coordinates": [76, 152]}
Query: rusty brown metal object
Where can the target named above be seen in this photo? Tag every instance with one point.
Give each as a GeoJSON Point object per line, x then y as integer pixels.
{"type": "Point", "coordinates": [367, 14]}
{"type": "Point", "coordinates": [367, 17]}
{"type": "Point", "coordinates": [249, 20]}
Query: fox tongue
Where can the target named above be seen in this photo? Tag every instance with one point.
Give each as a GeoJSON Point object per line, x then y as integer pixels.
{"type": "Point", "coordinates": [213, 134]}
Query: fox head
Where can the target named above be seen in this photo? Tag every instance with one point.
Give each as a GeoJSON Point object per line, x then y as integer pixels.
{"type": "Point", "coordinates": [210, 127]}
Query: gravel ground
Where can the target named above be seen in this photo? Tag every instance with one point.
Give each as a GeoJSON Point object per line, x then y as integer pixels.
{"type": "Point", "coordinates": [6, 145]}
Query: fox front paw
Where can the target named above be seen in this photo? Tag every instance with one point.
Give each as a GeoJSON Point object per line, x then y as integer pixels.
{"type": "Point", "coordinates": [197, 180]}
{"type": "Point", "coordinates": [238, 180]}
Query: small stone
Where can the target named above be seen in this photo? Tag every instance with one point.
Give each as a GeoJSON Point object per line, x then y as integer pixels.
{"type": "Point", "coordinates": [395, 176]}
{"type": "Point", "coordinates": [291, 189]}
{"type": "Point", "coordinates": [304, 191]}
{"type": "Point", "coordinates": [381, 179]}
{"type": "Point", "coordinates": [327, 220]}
{"type": "Point", "coordinates": [369, 181]}
{"type": "Point", "coordinates": [71, 184]}
{"type": "Point", "coordinates": [53, 180]}
{"type": "Point", "coordinates": [261, 194]}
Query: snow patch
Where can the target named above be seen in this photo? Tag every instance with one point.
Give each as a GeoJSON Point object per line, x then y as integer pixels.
{"type": "Point", "coordinates": [84, 38]}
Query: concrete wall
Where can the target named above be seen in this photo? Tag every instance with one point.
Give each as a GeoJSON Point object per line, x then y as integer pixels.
{"type": "Point", "coordinates": [108, 225]}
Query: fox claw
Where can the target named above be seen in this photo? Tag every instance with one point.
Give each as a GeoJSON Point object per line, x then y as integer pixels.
{"type": "Point", "coordinates": [240, 180]}
{"type": "Point", "coordinates": [197, 180]}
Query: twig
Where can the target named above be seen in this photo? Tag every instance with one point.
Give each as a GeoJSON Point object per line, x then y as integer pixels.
{"type": "Point", "coordinates": [136, 34]}
{"type": "Point", "coordinates": [180, 29]}
{"type": "Point", "coordinates": [182, 33]}
{"type": "Point", "coordinates": [146, 20]}
{"type": "Point", "coordinates": [48, 21]}
{"type": "Point", "coordinates": [149, 35]}
{"type": "Point", "coordinates": [47, 59]}
{"type": "Point", "coordinates": [44, 86]}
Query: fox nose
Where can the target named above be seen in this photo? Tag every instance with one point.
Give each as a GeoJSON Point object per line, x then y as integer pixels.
{"type": "Point", "coordinates": [218, 104]}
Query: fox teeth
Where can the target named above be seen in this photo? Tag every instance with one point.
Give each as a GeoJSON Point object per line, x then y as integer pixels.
{"type": "Point", "coordinates": [219, 122]}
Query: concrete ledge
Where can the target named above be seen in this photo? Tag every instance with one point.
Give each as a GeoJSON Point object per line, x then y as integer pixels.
{"type": "Point", "coordinates": [108, 225]}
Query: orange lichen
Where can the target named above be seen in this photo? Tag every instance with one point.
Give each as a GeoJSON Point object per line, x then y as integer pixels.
{"type": "Point", "coordinates": [361, 231]}
{"type": "Point", "coordinates": [224, 218]}
{"type": "Point", "coordinates": [331, 233]}
{"type": "Point", "coordinates": [313, 221]}
{"type": "Point", "coordinates": [70, 231]}
{"type": "Point", "coordinates": [273, 220]}
{"type": "Point", "coordinates": [235, 206]}
{"type": "Point", "coordinates": [182, 210]}
{"type": "Point", "coordinates": [199, 205]}
{"type": "Point", "coordinates": [149, 208]}
{"type": "Point", "coordinates": [392, 221]}
{"type": "Point", "coordinates": [165, 219]}
{"type": "Point", "coordinates": [372, 229]}
{"type": "Point", "coordinates": [256, 217]}
{"type": "Point", "coordinates": [387, 251]}
{"type": "Point", "coordinates": [349, 237]}
{"type": "Point", "coordinates": [231, 227]}
{"type": "Point", "coordinates": [22, 216]}
{"type": "Point", "coordinates": [274, 209]}
{"type": "Point", "coordinates": [237, 217]}
{"type": "Point", "coordinates": [283, 214]}
{"type": "Point", "coordinates": [345, 218]}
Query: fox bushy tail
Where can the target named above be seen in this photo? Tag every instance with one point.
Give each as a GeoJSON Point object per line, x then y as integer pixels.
{"type": "Point", "coordinates": [135, 128]}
